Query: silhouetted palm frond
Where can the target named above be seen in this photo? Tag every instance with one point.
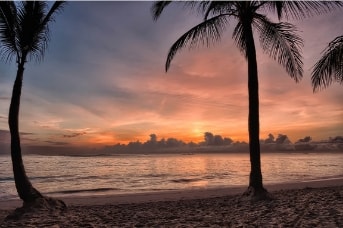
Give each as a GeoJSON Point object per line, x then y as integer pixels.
{"type": "Point", "coordinates": [57, 7]}
{"type": "Point", "coordinates": [205, 33]}
{"type": "Point", "coordinates": [330, 67]}
{"type": "Point", "coordinates": [301, 9]}
{"type": "Point", "coordinates": [217, 8]}
{"type": "Point", "coordinates": [8, 24]}
{"type": "Point", "coordinates": [32, 41]}
{"type": "Point", "coordinates": [158, 7]}
{"type": "Point", "coordinates": [239, 37]}
{"type": "Point", "coordinates": [282, 43]}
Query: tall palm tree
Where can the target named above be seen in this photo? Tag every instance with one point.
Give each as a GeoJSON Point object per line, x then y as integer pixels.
{"type": "Point", "coordinates": [279, 40]}
{"type": "Point", "coordinates": [329, 67]}
{"type": "Point", "coordinates": [24, 34]}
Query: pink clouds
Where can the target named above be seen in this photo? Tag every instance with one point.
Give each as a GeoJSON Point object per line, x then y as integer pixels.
{"type": "Point", "coordinates": [108, 77]}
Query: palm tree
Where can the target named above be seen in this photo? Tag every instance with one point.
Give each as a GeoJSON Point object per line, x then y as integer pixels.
{"type": "Point", "coordinates": [330, 67]}
{"type": "Point", "coordinates": [24, 34]}
{"type": "Point", "coordinates": [279, 40]}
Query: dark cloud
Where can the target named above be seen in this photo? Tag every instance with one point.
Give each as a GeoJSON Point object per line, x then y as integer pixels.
{"type": "Point", "coordinates": [154, 144]}
{"type": "Point", "coordinates": [57, 143]}
{"type": "Point", "coordinates": [305, 139]}
{"type": "Point", "coordinates": [5, 136]}
{"type": "Point", "coordinates": [270, 139]}
{"type": "Point", "coordinates": [73, 135]}
{"type": "Point", "coordinates": [26, 133]}
{"type": "Point", "coordinates": [337, 139]}
{"type": "Point", "coordinates": [282, 139]}
{"type": "Point", "coordinates": [5, 98]}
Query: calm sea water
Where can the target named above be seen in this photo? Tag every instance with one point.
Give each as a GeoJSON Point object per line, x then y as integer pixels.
{"type": "Point", "coordinates": [61, 175]}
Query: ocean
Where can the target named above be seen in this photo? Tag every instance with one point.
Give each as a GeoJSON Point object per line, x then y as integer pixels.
{"type": "Point", "coordinates": [102, 175]}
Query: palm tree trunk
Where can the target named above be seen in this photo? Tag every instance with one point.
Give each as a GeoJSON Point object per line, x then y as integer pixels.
{"type": "Point", "coordinates": [24, 187]}
{"type": "Point", "coordinates": [255, 180]}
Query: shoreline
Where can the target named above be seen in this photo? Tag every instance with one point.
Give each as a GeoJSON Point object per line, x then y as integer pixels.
{"type": "Point", "coordinates": [176, 195]}
{"type": "Point", "coordinates": [190, 194]}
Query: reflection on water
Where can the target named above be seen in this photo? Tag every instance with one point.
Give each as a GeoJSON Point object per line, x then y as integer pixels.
{"type": "Point", "coordinates": [58, 175]}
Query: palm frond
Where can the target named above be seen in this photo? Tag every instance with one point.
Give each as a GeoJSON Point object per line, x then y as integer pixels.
{"type": "Point", "coordinates": [276, 6]}
{"type": "Point", "coordinates": [30, 16]}
{"type": "Point", "coordinates": [302, 9]}
{"type": "Point", "coordinates": [330, 67]}
{"type": "Point", "coordinates": [239, 37]}
{"type": "Point", "coordinates": [205, 33]}
{"type": "Point", "coordinates": [217, 8]}
{"type": "Point", "coordinates": [44, 31]}
{"type": "Point", "coordinates": [8, 23]}
{"type": "Point", "coordinates": [158, 7]}
{"type": "Point", "coordinates": [55, 8]}
{"type": "Point", "coordinates": [33, 30]}
{"type": "Point", "coordinates": [282, 43]}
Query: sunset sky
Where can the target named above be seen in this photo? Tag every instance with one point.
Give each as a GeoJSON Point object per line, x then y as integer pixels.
{"type": "Point", "coordinates": [103, 82]}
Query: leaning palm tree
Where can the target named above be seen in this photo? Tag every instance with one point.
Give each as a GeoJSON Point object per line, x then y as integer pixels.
{"type": "Point", "coordinates": [330, 67]}
{"type": "Point", "coordinates": [24, 35]}
{"type": "Point", "coordinates": [279, 40]}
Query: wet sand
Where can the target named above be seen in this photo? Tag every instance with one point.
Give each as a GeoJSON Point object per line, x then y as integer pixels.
{"type": "Point", "coordinates": [304, 204]}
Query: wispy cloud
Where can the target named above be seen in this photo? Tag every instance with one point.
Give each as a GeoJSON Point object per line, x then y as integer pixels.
{"type": "Point", "coordinates": [104, 72]}
{"type": "Point", "coordinates": [76, 134]}
{"type": "Point", "coordinates": [55, 143]}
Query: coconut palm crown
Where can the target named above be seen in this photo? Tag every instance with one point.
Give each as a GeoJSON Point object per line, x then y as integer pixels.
{"type": "Point", "coordinates": [24, 35]}
{"type": "Point", "coordinates": [278, 39]}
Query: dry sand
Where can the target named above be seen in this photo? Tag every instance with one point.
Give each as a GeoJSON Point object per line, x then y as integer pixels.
{"type": "Point", "coordinates": [305, 204]}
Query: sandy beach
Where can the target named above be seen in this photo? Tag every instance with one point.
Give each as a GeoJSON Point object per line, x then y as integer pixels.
{"type": "Point", "coordinates": [305, 204]}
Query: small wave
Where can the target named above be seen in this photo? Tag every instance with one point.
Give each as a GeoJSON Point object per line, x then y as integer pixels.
{"type": "Point", "coordinates": [152, 189]}
{"type": "Point", "coordinates": [186, 180]}
{"type": "Point", "coordinates": [323, 165]}
{"type": "Point", "coordinates": [50, 177]}
{"type": "Point", "coordinates": [5, 179]}
{"type": "Point", "coordinates": [5, 197]}
{"type": "Point", "coordinates": [85, 190]}
{"type": "Point", "coordinates": [155, 175]}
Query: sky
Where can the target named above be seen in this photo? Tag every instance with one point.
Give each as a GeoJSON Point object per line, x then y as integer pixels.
{"type": "Point", "coordinates": [102, 82]}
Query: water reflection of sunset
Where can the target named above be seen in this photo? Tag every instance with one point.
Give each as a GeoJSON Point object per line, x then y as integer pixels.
{"type": "Point", "coordinates": [125, 174]}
